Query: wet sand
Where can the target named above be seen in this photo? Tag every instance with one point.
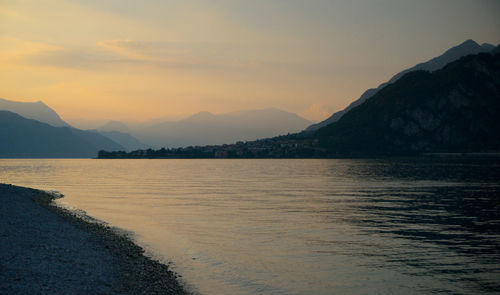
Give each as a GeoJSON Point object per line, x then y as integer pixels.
{"type": "Point", "coordinates": [45, 249]}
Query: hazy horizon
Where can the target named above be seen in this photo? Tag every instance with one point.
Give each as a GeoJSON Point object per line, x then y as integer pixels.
{"type": "Point", "coordinates": [125, 60]}
{"type": "Point", "coordinates": [84, 123]}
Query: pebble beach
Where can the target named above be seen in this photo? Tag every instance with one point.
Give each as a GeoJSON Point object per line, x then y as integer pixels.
{"type": "Point", "coordinates": [46, 249]}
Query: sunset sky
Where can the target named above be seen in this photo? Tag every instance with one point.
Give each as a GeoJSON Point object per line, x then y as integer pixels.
{"type": "Point", "coordinates": [120, 59]}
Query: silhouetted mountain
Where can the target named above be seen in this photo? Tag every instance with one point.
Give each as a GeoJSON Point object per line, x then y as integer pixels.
{"type": "Point", "coordinates": [156, 121]}
{"type": "Point", "coordinates": [120, 133]}
{"type": "Point", "coordinates": [454, 53]}
{"type": "Point", "coordinates": [21, 137]}
{"type": "Point", "coordinates": [86, 124]}
{"type": "Point", "coordinates": [126, 140]}
{"type": "Point", "coordinates": [33, 110]}
{"type": "Point", "coordinates": [454, 109]}
{"type": "Point", "coordinates": [107, 125]}
{"type": "Point", "coordinates": [113, 125]}
{"type": "Point", "coordinates": [98, 140]}
{"type": "Point", "coordinates": [496, 50]}
{"type": "Point", "coordinates": [206, 128]}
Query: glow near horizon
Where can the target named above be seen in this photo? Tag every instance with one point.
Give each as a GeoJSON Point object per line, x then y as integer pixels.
{"type": "Point", "coordinates": [146, 59]}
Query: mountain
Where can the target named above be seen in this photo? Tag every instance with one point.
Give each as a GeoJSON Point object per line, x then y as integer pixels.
{"type": "Point", "coordinates": [452, 54]}
{"type": "Point", "coordinates": [454, 109]}
{"type": "Point", "coordinates": [98, 140]}
{"type": "Point", "coordinates": [33, 110]}
{"type": "Point", "coordinates": [86, 124]}
{"type": "Point", "coordinates": [120, 133]}
{"type": "Point", "coordinates": [156, 121]}
{"type": "Point", "coordinates": [126, 140]}
{"type": "Point", "coordinates": [113, 125]}
{"type": "Point", "coordinates": [205, 128]}
{"type": "Point", "coordinates": [22, 137]}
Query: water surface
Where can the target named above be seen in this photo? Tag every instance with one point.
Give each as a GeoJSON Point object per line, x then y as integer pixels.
{"type": "Point", "coordinates": [407, 226]}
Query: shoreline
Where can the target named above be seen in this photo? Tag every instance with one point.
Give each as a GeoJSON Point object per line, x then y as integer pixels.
{"type": "Point", "coordinates": [38, 244]}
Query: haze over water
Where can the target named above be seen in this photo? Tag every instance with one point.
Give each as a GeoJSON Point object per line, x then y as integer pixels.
{"type": "Point", "coordinates": [296, 226]}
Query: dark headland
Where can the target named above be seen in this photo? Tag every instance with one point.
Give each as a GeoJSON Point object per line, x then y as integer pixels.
{"type": "Point", "coordinates": [45, 249]}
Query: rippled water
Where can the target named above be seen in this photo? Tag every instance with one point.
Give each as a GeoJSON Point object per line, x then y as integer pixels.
{"type": "Point", "coordinates": [297, 226]}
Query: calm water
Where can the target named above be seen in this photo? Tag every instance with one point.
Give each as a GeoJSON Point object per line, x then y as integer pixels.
{"type": "Point", "coordinates": [297, 226]}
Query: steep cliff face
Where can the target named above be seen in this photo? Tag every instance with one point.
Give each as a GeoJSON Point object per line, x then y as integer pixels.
{"type": "Point", "coordinates": [456, 108]}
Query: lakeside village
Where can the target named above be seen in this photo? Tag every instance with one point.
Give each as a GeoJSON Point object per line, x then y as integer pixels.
{"type": "Point", "coordinates": [288, 146]}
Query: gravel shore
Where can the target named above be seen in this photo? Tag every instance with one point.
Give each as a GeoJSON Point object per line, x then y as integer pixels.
{"type": "Point", "coordinates": [45, 249]}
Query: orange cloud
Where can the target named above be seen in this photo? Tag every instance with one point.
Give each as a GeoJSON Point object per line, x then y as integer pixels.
{"type": "Point", "coordinates": [14, 49]}
{"type": "Point", "coordinates": [126, 48]}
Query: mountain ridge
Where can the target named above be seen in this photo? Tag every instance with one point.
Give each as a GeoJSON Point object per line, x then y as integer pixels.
{"type": "Point", "coordinates": [29, 138]}
{"type": "Point", "coordinates": [33, 110]}
{"type": "Point", "coordinates": [205, 128]}
{"type": "Point", "coordinates": [456, 108]}
{"type": "Point", "coordinates": [124, 139]}
{"type": "Point", "coordinates": [465, 48]}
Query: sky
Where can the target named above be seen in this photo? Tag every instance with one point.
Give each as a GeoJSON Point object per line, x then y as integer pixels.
{"type": "Point", "coordinates": [140, 60]}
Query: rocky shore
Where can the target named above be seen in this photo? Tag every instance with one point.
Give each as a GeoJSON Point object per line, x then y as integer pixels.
{"type": "Point", "coordinates": [45, 249]}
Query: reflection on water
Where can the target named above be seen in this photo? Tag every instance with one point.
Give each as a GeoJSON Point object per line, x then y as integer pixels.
{"type": "Point", "coordinates": [297, 226]}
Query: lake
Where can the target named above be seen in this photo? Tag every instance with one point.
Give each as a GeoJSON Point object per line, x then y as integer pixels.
{"type": "Point", "coordinates": [336, 226]}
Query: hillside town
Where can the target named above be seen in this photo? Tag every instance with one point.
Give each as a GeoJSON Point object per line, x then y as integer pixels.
{"type": "Point", "coordinates": [289, 146]}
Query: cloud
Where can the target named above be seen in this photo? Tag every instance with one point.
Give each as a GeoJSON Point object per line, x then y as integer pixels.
{"type": "Point", "coordinates": [166, 54]}
{"type": "Point", "coordinates": [161, 55]}
{"type": "Point", "coordinates": [159, 52]}
{"type": "Point", "coordinates": [99, 57]}
{"type": "Point", "coordinates": [69, 58]}
{"type": "Point", "coordinates": [14, 49]}
{"type": "Point", "coordinates": [109, 55]}
{"type": "Point", "coordinates": [128, 48]}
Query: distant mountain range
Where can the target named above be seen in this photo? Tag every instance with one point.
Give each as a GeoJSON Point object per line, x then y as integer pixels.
{"type": "Point", "coordinates": [199, 129]}
{"type": "Point", "coordinates": [26, 138]}
{"type": "Point", "coordinates": [454, 109]}
{"type": "Point", "coordinates": [120, 133]}
{"type": "Point", "coordinates": [112, 130]}
{"type": "Point", "coordinates": [126, 140]}
{"type": "Point", "coordinates": [452, 54]}
{"type": "Point", "coordinates": [204, 128]}
{"type": "Point", "coordinates": [114, 125]}
{"type": "Point", "coordinates": [207, 129]}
